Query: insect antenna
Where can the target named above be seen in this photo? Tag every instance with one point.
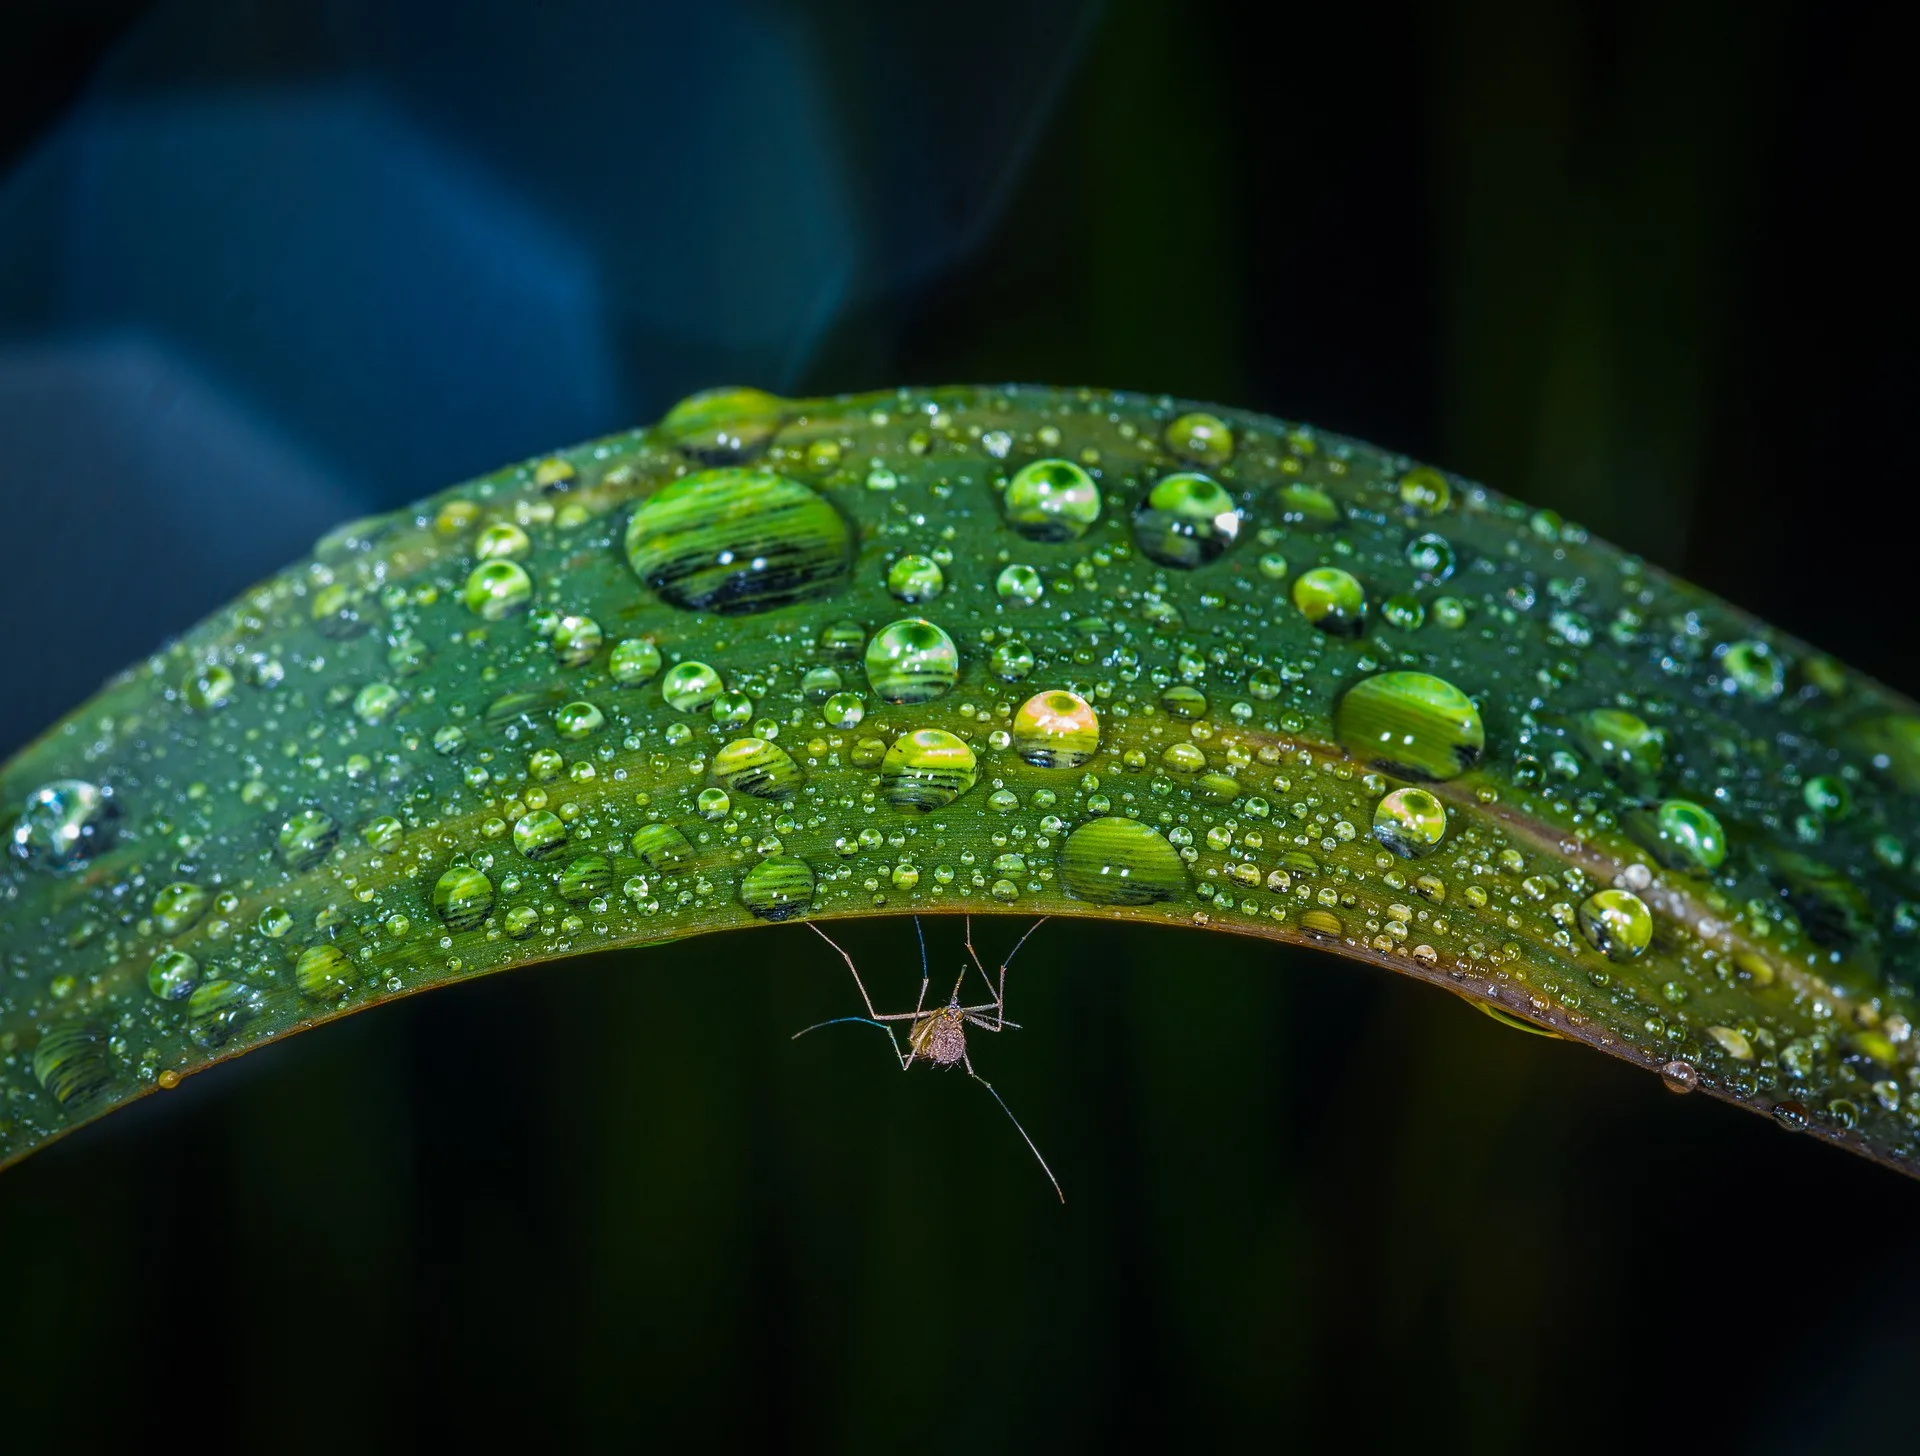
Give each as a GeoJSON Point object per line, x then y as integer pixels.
{"type": "Point", "coordinates": [1023, 1134]}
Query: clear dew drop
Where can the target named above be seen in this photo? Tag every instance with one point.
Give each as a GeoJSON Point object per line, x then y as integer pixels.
{"type": "Point", "coordinates": [576, 641]}
{"type": "Point", "coordinates": [1116, 861]}
{"type": "Point", "coordinates": [173, 976]}
{"type": "Point", "coordinates": [911, 661]}
{"type": "Point", "coordinates": [927, 769]}
{"type": "Point", "coordinates": [1187, 520]}
{"type": "Point", "coordinates": [497, 589]}
{"type": "Point", "coordinates": [64, 824]}
{"type": "Point", "coordinates": [178, 907]}
{"type": "Point", "coordinates": [736, 540]}
{"type": "Point", "coordinates": [1410, 822]}
{"type": "Point", "coordinates": [690, 686]}
{"type": "Point", "coordinates": [1332, 600]}
{"type": "Point", "coordinates": [1056, 729]}
{"type": "Point", "coordinates": [634, 660]}
{"type": "Point", "coordinates": [1204, 439]}
{"type": "Point", "coordinates": [778, 888]}
{"type": "Point", "coordinates": [539, 833]}
{"type": "Point", "coordinates": [1019, 585]}
{"type": "Point", "coordinates": [1411, 724]}
{"type": "Point", "coordinates": [1616, 923]}
{"type": "Point", "coordinates": [1051, 500]}
{"type": "Point", "coordinates": [306, 838]}
{"type": "Point", "coordinates": [915, 578]}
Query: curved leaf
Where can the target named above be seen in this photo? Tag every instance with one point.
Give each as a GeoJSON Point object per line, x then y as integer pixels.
{"type": "Point", "coordinates": [977, 649]}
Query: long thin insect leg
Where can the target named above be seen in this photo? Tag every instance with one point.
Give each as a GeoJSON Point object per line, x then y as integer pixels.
{"type": "Point", "coordinates": [863, 1021]}
{"type": "Point", "coordinates": [1019, 1129]}
{"type": "Point", "coordinates": [976, 957]}
{"type": "Point", "coordinates": [1009, 961]}
{"type": "Point", "coordinates": [850, 966]}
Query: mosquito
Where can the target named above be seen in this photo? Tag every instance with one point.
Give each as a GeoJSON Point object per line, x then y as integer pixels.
{"type": "Point", "coordinates": [939, 1035]}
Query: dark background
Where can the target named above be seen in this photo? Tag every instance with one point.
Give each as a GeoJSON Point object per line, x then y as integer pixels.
{"type": "Point", "coordinates": [266, 266]}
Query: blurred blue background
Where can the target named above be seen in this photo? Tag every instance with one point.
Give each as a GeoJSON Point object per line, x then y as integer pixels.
{"type": "Point", "coordinates": [267, 266]}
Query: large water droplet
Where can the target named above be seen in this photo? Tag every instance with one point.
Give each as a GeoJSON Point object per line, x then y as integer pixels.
{"type": "Point", "coordinates": [585, 877]}
{"type": "Point", "coordinates": [1410, 822]}
{"type": "Point", "coordinates": [1682, 835]}
{"type": "Point", "coordinates": [1205, 439]}
{"type": "Point", "coordinates": [735, 540]}
{"type": "Point", "coordinates": [576, 640]}
{"type": "Point", "coordinates": [1118, 861]}
{"type": "Point", "coordinates": [1332, 599]}
{"type": "Point", "coordinates": [1616, 923]}
{"type": "Point", "coordinates": [462, 897]}
{"type": "Point", "coordinates": [759, 768]}
{"type": "Point", "coordinates": [539, 833]}
{"type": "Point", "coordinates": [778, 888]}
{"type": "Point", "coordinates": [926, 769]}
{"type": "Point", "coordinates": [1186, 520]}
{"type": "Point", "coordinates": [72, 1065]}
{"type": "Point", "coordinates": [1051, 500]}
{"type": "Point", "coordinates": [173, 975]}
{"type": "Point", "coordinates": [1411, 724]}
{"type": "Point", "coordinates": [306, 838]}
{"type": "Point", "coordinates": [633, 660]}
{"type": "Point", "coordinates": [690, 686]}
{"type": "Point", "coordinates": [661, 847]}
{"type": "Point", "coordinates": [912, 661]}
{"type": "Point", "coordinates": [1621, 740]}
{"type": "Point", "coordinates": [323, 971]}
{"type": "Point", "coordinates": [916, 579]}
{"type": "Point", "coordinates": [64, 824]}
{"type": "Point", "coordinates": [725, 426]}
{"type": "Point", "coordinates": [177, 908]}
{"type": "Point", "coordinates": [497, 589]}
{"type": "Point", "coordinates": [1056, 730]}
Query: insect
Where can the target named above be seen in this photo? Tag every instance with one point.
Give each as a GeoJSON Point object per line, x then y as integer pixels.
{"type": "Point", "coordinates": [939, 1035]}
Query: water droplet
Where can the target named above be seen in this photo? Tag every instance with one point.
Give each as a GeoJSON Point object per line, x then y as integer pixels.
{"type": "Point", "coordinates": [1734, 1043]}
{"type": "Point", "coordinates": [72, 1065]}
{"type": "Point", "coordinates": [1120, 862]}
{"type": "Point", "coordinates": [1616, 923]}
{"type": "Point", "coordinates": [501, 541]}
{"type": "Point", "coordinates": [578, 720]}
{"type": "Point", "coordinates": [274, 922]}
{"type": "Point", "coordinates": [756, 767]}
{"type": "Point", "coordinates": [1432, 557]}
{"type": "Point", "coordinates": [737, 540]}
{"type": "Point", "coordinates": [1056, 730]}
{"type": "Point", "coordinates": [1755, 669]}
{"type": "Point", "coordinates": [1679, 1076]}
{"type": "Point", "coordinates": [584, 878]}
{"type": "Point", "coordinates": [1682, 835]}
{"type": "Point", "coordinates": [725, 426]}
{"type": "Point", "coordinates": [209, 688]}
{"type": "Point", "coordinates": [306, 838]}
{"type": "Point", "coordinates": [219, 1009]}
{"type": "Point", "coordinates": [521, 921]}
{"type": "Point", "coordinates": [1828, 796]}
{"type": "Point", "coordinates": [690, 686]}
{"type": "Point", "coordinates": [661, 847]}
{"type": "Point", "coordinates": [1307, 508]}
{"type": "Point", "coordinates": [539, 833]}
{"type": "Point", "coordinates": [64, 824]}
{"type": "Point", "coordinates": [576, 640]}
{"type": "Point", "coordinates": [713, 803]}
{"type": "Point", "coordinates": [912, 661]}
{"type": "Point", "coordinates": [916, 579]}
{"type": "Point", "coordinates": [1332, 600]}
{"type": "Point", "coordinates": [462, 897]}
{"type": "Point", "coordinates": [173, 975]}
{"type": "Point", "coordinates": [1011, 661]}
{"type": "Point", "coordinates": [177, 908]}
{"type": "Point", "coordinates": [1618, 739]}
{"type": "Point", "coordinates": [1052, 500]}
{"type": "Point", "coordinates": [1186, 520]}
{"type": "Point", "coordinates": [323, 971]}
{"type": "Point", "coordinates": [1183, 700]}
{"type": "Point", "coordinates": [1425, 491]}
{"type": "Point", "coordinates": [1202, 438]}
{"type": "Point", "coordinates": [375, 703]}
{"type": "Point", "coordinates": [778, 888]}
{"type": "Point", "coordinates": [1410, 822]}
{"type": "Point", "coordinates": [926, 769]}
{"type": "Point", "coordinates": [843, 710]}
{"type": "Point", "coordinates": [1019, 586]}
{"type": "Point", "coordinates": [497, 589]}
{"type": "Point", "coordinates": [1411, 724]}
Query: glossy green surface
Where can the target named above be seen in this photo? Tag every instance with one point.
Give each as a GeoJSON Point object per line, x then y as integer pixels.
{"type": "Point", "coordinates": [665, 683]}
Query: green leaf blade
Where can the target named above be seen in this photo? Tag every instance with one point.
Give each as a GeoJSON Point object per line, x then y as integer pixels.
{"type": "Point", "coordinates": [977, 650]}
